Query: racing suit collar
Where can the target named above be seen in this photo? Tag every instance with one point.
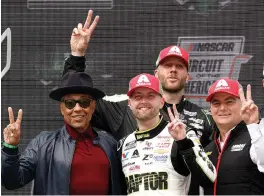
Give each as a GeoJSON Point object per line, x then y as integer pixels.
{"type": "Point", "coordinates": [179, 106]}
{"type": "Point", "coordinates": [151, 133]}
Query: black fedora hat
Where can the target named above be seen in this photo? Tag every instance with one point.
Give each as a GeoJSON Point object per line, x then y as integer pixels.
{"type": "Point", "coordinates": [76, 83]}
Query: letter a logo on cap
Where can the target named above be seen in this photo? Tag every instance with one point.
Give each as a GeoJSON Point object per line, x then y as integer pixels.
{"type": "Point", "coordinates": [175, 50]}
{"type": "Point", "coordinates": [143, 80]}
{"type": "Point", "coordinates": [222, 84]}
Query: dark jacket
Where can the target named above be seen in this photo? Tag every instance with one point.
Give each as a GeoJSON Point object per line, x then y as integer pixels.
{"type": "Point", "coordinates": [47, 160]}
{"type": "Point", "coordinates": [236, 173]}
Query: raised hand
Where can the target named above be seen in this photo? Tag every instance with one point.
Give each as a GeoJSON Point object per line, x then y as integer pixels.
{"type": "Point", "coordinates": [176, 127]}
{"type": "Point", "coordinates": [81, 35]}
{"type": "Point", "coordinates": [12, 131]}
{"type": "Point", "coordinates": [249, 110]}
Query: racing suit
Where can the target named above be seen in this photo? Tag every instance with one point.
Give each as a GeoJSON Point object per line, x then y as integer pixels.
{"type": "Point", "coordinates": [151, 164]}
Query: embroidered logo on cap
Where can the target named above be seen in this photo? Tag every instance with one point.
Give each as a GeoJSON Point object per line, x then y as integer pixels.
{"type": "Point", "coordinates": [175, 50]}
{"type": "Point", "coordinates": [143, 80]}
{"type": "Point", "coordinates": [222, 84]}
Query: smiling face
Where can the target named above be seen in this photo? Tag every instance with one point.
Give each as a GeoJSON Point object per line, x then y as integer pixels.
{"type": "Point", "coordinates": [173, 74]}
{"type": "Point", "coordinates": [145, 104]}
{"type": "Point", "coordinates": [225, 110]}
{"type": "Point", "coordinates": [79, 118]}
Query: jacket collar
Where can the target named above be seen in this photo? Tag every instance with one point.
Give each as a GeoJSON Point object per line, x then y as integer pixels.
{"type": "Point", "coordinates": [241, 127]}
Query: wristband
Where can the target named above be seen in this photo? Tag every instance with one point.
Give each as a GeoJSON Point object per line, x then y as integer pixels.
{"type": "Point", "coordinates": [9, 145]}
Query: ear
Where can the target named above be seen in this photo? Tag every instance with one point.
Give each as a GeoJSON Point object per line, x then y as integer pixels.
{"type": "Point", "coordinates": [129, 102]}
{"type": "Point", "coordinates": [156, 72]}
{"type": "Point", "coordinates": [188, 77]}
{"type": "Point", "coordinates": [210, 106]}
{"type": "Point", "coordinates": [162, 102]}
{"type": "Point", "coordinates": [93, 106]}
{"type": "Point", "coordinates": [62, 109]}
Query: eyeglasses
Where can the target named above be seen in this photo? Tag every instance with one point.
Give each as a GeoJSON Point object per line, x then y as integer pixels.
{"type": "Point", "coordinates": [71, 103]}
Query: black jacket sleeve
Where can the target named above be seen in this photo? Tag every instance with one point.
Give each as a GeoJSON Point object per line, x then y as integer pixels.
{"type": "Point", "coordinates": [74, 63]}
{"type": "Point", "coordinates": [18, 170]}
{"type": "Point", "coordinates": [196, 159]}
{"type": "Point", "coordinates": [202, 125]}
{"type": "Point", "coordinates": [178, 161]}
{"type": "Point", "coordinates": [109, 114]}
{"type": "Point", "coordinates": [209, 124]}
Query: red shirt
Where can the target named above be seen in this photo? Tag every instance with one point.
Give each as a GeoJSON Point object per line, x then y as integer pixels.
{"type": "Point", "coordinates": [90, 166]}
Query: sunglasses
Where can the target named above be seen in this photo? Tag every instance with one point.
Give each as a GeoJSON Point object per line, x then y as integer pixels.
{"type": "Point", "coordinates": [71, 103]}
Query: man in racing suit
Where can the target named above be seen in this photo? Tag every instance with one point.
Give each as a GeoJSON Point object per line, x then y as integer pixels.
{"type": "Point", "coordinates": [112, 112]}
{"type": "Point", "coordinates": [150, 161]}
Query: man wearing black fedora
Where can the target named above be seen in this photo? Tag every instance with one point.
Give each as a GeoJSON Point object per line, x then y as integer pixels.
{"type": "Point", "coordinates": [75, 159]}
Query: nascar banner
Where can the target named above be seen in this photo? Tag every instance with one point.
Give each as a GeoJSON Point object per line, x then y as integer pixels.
{"type": "Point", "coordinates": [211, 58]}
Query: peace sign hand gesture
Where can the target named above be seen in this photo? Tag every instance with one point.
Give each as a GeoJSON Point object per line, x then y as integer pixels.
{"type": "Point", "coordinates": [12, 131]}
{"type": "Point", "coordinates": [81, 35]}
{"type": "Point", "coordinates": [249, 110]}
{"type": "Point", "coordinates": [176, 127]}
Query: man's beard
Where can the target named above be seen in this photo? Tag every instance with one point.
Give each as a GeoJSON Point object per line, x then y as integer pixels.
{"type": "Point", "coordinates": [173, 89]}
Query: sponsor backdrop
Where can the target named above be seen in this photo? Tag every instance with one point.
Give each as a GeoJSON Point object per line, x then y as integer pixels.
{"type": "Point", "coordinates": [224, 37]}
